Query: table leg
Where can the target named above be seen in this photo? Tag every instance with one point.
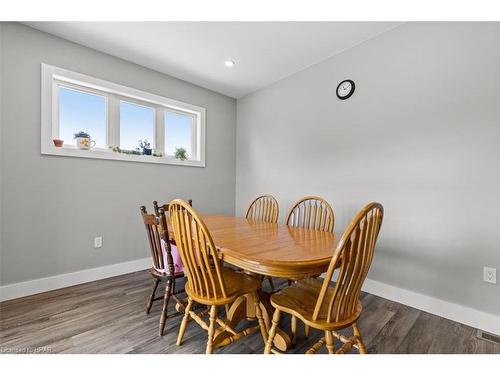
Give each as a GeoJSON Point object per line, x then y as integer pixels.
{"type": "Point", "coordinates": [244, 308]}
{"type": "Point", "coordinates": [282, 340]}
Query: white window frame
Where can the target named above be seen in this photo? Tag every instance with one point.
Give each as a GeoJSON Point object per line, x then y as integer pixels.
{"type": "Point", "coordinates": [53, 76]}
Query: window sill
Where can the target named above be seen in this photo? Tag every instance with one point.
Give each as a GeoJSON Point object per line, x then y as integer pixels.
{"type": "Point", "coordinates": [111, 155]}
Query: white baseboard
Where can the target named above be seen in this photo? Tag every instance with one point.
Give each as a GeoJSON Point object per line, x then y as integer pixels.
{"type": "Point", "coordinates": [26, 288]}
{"type": "Point", "coordinates": [458, 313]}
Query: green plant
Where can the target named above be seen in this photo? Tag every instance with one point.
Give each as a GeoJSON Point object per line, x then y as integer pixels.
{"type": "Point", "coordinates": [128, 152]}
{"type": "Point", "coordinates": [137, 151]}
{"type": "Point", "coordinates": [181, 153]}
{"type": "Point", "coordinates": [81, 134]}
{"type": "Point", "coordinates": [144, 144]}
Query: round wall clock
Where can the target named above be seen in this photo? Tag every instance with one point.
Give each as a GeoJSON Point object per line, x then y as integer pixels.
{"type": "Point", "coordinates": [345, 89]}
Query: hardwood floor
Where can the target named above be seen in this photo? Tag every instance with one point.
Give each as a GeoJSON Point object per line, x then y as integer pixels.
{"type": "Point", "coordinates": [108, 316]}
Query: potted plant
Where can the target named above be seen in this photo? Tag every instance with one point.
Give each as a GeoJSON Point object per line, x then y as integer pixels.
{"type": "Point", "coordinates": [58, 142]}
{"type": "Point", "coordinates": [145, 146]}
{"type": "Point", "coordinates": [83, 140]}
{"type": "Point", "coordinates": [181, 153]}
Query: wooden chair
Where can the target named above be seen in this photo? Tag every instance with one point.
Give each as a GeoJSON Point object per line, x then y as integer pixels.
{"type": "Point", "coordinates": [332, 308]}
{"type": "Point", "coordinates": [264, 208]}
{"type": "Point", "coordinates": [163, 264]}
{"type": "Point", "coordinates": [165, 207]}
{"type": "Point", "coordinates": [208, 283]}
{"type": "Point", "coordinates": [311, 213]}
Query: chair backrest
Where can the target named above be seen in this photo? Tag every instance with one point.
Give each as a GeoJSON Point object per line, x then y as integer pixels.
{"type": "Point", "coordinates": [352, 257]}
{"type": "Point", "coordinates": [155, 234]}
{"type": "Point", "coordinates": [157, 207]}
{"type": "Point", "coordinates": [311, 213]}
{"type": "Point", "coordinates": [197, 250]}
{"type": "Point", "coordinates": [264, 208]}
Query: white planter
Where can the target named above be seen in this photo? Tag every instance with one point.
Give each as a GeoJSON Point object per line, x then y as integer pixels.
{"type": "Point", "coordinates": [84, 143]}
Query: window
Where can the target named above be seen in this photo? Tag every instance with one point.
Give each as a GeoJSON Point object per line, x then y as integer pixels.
{"type": "Point", "coordinates": [179, 129]}
{"type": "Point", "coordinates": [117, 118]}
{"type": "Point", "coordinates": [136, 123]}
{"type": "Point", "coordinates": [81, 110]}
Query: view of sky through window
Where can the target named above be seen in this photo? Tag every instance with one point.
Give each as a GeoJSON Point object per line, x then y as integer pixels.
{"type": "Point", "coordinates": [81, 111]}
{"type": "Point", "coordinates": [136, 123]}
{"type": "Point", "coordinates": [178, 131]}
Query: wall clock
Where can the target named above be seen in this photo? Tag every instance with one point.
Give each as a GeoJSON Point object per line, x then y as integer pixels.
{"type": "Point", "coordinates": [345, 89]}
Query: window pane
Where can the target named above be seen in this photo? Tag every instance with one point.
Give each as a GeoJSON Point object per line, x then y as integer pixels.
{"type": "Point", "coordinates": [81, 111]}
{"type": "Point", "coordinates": [178, 132]}
{"type": "Point", "coordinates": [136, 123]}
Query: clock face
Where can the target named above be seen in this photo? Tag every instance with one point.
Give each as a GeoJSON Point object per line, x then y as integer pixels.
{"type": "Point", "coordinates": [345, 89]}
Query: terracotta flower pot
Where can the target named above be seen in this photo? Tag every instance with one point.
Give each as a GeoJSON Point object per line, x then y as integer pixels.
{"type": "Point", "coordinates": [58, 142]}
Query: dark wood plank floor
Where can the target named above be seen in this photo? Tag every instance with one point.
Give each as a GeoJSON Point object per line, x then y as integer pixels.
{"type": "Point", "coordinates": [108, 316]}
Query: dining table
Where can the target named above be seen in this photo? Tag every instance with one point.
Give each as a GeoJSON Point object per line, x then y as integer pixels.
{"type": "Point", "coordinates": [268, 249]}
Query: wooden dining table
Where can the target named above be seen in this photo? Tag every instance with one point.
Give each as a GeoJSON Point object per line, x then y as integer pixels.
{"type": "Point", "coordinates": [267, 249]}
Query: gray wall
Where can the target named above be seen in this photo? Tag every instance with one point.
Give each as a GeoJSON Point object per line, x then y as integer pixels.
{"type": "Point", "coordinates": [421, 134]}
{"type": "Point", "coordinates": [52, 207]}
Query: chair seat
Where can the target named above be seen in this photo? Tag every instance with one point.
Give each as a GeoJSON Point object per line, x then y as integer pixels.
{"type": "Point", "coordinates": [237, 284]}
{"type": "Point", "coordinates": [300, 300]}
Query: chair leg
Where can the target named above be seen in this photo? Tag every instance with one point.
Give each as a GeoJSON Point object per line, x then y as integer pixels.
{"type": "Point", "coordinates": [184, 322]}
{"type": "Point", "coordinates": [270, 279]}
{"type": "Point", "coordinates": [357, 334]}
{"type": "Point", "coordinates": [330, 343]}
{"type": "Point", "coordinates": [294, 330]}
{"type": "Point", "coordinates": [306, 330]}
{"type": "Point", "coordinates": [152, 296]}
{"type": "Point", "coordinates": [272, 331]}
{"type": "Point", "coordinates": [211, 330]}
{"type": "Point", "coordinates": [166, 297]}
{"type": "Point", "coordinates": [258, 313]}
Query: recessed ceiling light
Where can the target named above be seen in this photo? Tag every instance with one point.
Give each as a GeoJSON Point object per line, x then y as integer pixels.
{"type": "Point", "coordinates": [229, 63]}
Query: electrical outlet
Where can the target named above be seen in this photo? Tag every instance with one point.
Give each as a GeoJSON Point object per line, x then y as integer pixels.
{"type": "Point", "coordinates": [97, 242]}
{"type": "Point", "coordinates": [490, 275]}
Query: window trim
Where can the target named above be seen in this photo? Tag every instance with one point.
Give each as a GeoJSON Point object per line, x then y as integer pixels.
{"type": "Point", "coordinates": [113, 92]}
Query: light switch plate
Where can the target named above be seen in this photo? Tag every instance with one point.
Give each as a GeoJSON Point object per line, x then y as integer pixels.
{"type": "Point", "coordinates": [490, 275]}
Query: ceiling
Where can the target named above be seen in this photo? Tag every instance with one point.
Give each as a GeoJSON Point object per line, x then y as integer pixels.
{"type": "Point", "coordinates": [264, 52]}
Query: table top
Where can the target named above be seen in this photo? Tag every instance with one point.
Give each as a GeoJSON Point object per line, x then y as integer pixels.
{"type": "Point", "coordinates": [271, 249]}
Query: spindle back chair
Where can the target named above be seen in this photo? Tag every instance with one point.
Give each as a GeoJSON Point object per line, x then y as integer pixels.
{"type": "Point", "coordinates": [311, 212]}
{"type": "Point", "coordinates": [198, 253]}
{"type": "Point", "coordinates": [208, 282]}
{"type": "Point", "coordinates": [165, 206]}
{"type": "Point", "coordinates": [264, 208]}
{"type": "Point", "coordinates": [335, 307]}
{"type": "Point", "coordinates": [163, 264]}
{"type": "Point", "coordinates": [152, 226]}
